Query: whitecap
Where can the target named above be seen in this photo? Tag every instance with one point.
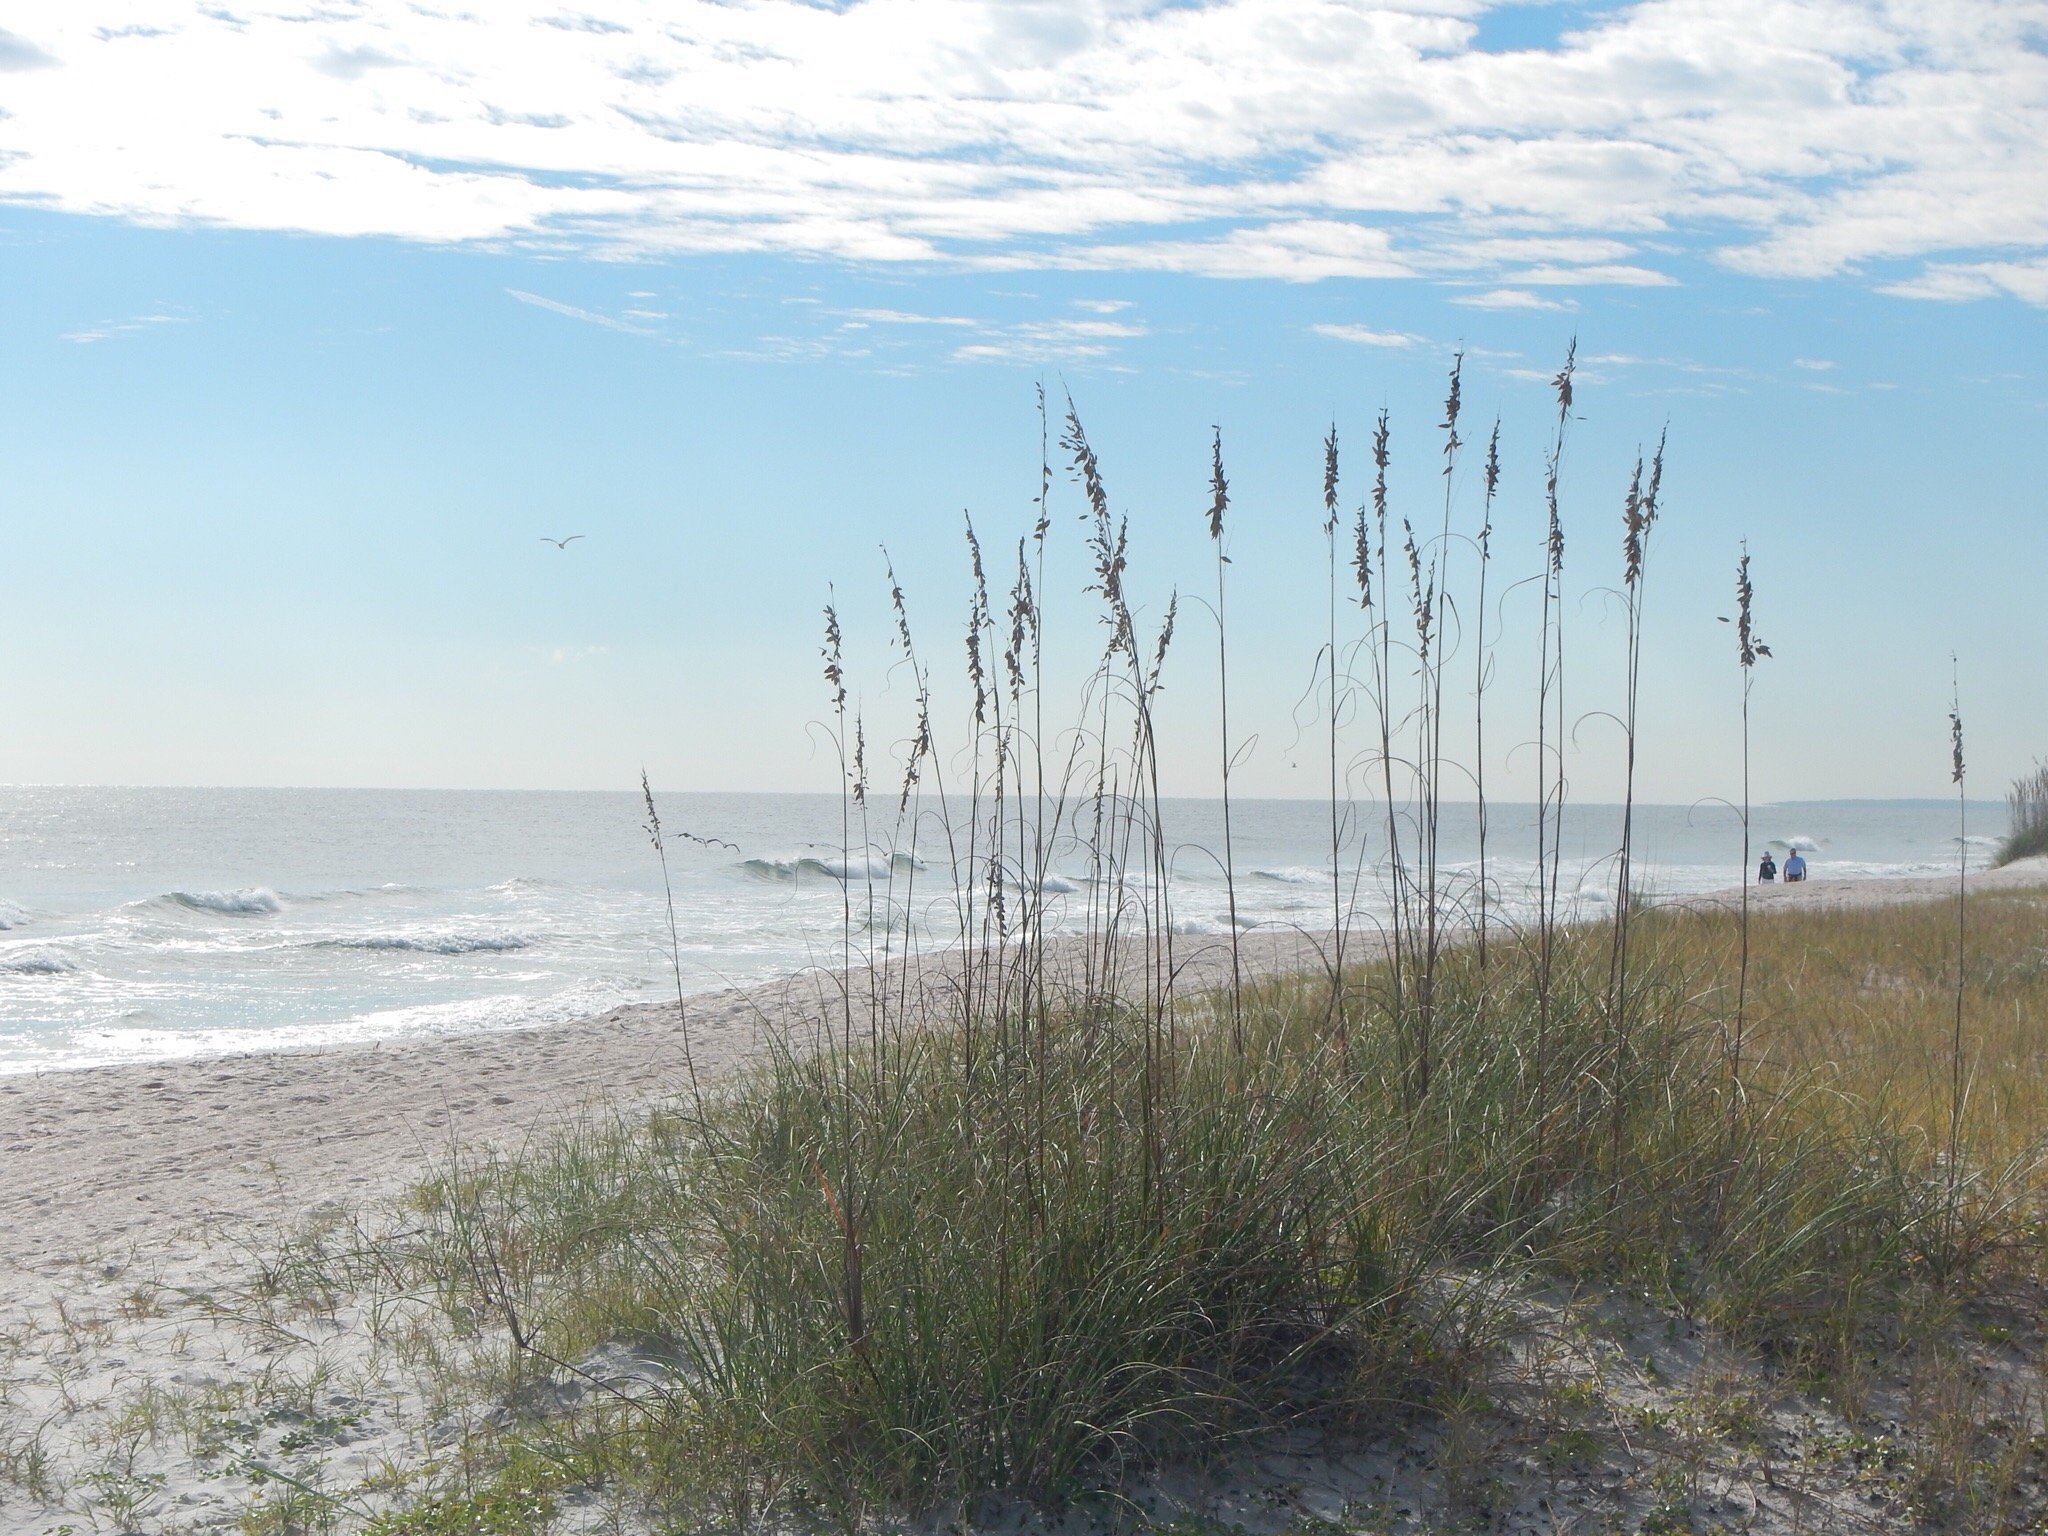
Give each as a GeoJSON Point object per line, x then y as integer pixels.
{"type": "Point", "coordinates": [38, 962]}
{"type": "Point", "coordinates": [437, 944]}
{"type": "Point", "coordinates": [833, 867]}
{"type": "Point", "coordinates": [1294, 874]}
{"type": "Point", "coordinates": [1204, 927]}
{"type": "Point", "coordinates": [234, 903]}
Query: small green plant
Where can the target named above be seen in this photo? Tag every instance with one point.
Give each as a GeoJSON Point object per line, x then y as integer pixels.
{"type": "Point", "coordinates": [520, 1500]}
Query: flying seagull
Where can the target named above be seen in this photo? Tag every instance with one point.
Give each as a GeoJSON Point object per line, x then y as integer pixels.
{"type": "Point", "coordinates": [561, 543]}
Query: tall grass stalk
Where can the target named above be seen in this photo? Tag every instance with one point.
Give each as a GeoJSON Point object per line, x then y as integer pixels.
{"type": "Point", "coordinates": [1956, 777]}
{"type": "Point", "coordinates": [1549, 696]}
{"type": "Point", "coordinates": [1219, 504]}
{"type": "Point", "coordinates": [675, 943]}
{"type": "Point", "coordinates": [1481, 669]}
{"type": "Point", "coordinates": [1339, 1020]}
{"type": "Point", "coordinates": [1432, 617]}
{"type": "Point", "coordinates": [1372, 549]}
{"type": "Point", "coordinates": [1639, 518]}
{"type": "Point", "coordinates": [1748, 648]}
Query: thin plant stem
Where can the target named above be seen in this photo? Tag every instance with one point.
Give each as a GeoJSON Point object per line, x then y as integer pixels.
{"type": "Point", "coordinates": [1219, 504]}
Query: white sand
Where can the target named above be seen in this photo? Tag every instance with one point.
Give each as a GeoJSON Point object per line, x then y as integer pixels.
{"type": "Point", "coordinates": [1835, 895]}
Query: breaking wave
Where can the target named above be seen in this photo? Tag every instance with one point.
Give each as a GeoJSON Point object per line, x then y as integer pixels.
{"type": "Point", "coordinates": [831, 867]}
{"type": "Point", "coordinates": [1294, 874]}
{"type": "Point", "coordinates": [257, 899]}
{"type": "Point", "coordinates": [37, 962]}
{"type": "Point", "coordinates": [437, 944]}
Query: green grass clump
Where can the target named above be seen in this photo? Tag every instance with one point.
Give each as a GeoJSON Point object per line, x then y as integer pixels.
{"type": "Point", "coordinates": [2028, 835]}
{"type": "Point", "coordinates": [518, 1501]}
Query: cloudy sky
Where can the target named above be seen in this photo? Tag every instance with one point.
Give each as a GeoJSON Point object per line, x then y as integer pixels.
{"type": "Point", "coordinates": [317, 314]}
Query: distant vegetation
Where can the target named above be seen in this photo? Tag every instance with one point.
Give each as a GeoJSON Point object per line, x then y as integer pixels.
{"type": "Point", "coordinates": [2027, 837]}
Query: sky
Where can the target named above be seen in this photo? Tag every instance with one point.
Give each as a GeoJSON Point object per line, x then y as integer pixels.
{"type": "Point", "coordinates": [315, 316]}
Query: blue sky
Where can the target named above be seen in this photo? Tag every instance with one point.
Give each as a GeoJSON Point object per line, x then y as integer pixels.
{"type": "Point", "coordinates": [317, 318]}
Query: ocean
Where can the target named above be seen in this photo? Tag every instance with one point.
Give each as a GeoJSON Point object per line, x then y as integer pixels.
{"type": "Point", "coordinates": [151, 924]}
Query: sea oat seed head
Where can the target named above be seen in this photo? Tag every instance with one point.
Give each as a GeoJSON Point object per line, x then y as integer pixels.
{"type": "Point", "coordinates": [1219, 488]}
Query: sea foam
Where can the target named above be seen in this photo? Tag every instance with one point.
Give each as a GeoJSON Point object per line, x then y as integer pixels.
{"type": "Point", "coordinates": [37, 962]}
{"type": "Point", "coordinates": [832, 867]}
{"type": "Point", "coordinates": [437, 944]}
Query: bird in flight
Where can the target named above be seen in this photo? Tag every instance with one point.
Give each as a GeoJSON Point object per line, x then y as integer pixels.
{"type": "Point", "coordinates": [561, 543]}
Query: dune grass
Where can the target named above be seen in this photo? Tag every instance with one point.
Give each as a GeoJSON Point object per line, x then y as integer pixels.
{"type": "Point", "coordinates": [1062, 1281]}
{"type": "Point", "coordinates": [2027, 837]}
{"type": "Point", "coordinates": [1863, 1000]}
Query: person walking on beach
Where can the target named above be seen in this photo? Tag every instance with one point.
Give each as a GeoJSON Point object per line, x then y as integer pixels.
{"type": "Point", "coordinates": [1795, 867]}
{"type": "Point", "coordinates": [1766, 869]}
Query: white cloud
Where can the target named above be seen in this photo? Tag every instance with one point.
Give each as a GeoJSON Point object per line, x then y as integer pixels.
{"type": "Point", "coordinates": [1291, 139]}
{"type": "Point", "coordinates": [1365, 337]}
{"type": "Point", "coordinates": [2026, 280]}
{"type": "Point", "coordinates": [108, 330]}
{"type": "Point", "coordinates": [590, 317]}
{"type": "Point", "coordinates": [1813, 364]}
{"type": "Point", "coordinates": [903, 317]}
{"type": "Point", "coordinates": [1049, 341]}
{"type": "Point", "coordinates": [1513, 298]}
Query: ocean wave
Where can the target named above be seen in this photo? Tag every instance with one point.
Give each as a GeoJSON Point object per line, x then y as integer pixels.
{"type": "Point", "coordinates": [1203, 927]}
{"type": "Point", "coordinates": [37, 962]}
{"type": "Point", "coordinates": [1796, 844]}
{"type": "Point", "coordinates": [256, 899]}
{"type": "Point", "coordinates": [11, 917]}
{"type": "Point", "coordinates": [1051, 885]}
{"type": "Point", "coordinates": [1294, 874]}
{"type": "Point", "coordinates": [436, 944]}
{"type": "Point", "coordinates": [832, 868]}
